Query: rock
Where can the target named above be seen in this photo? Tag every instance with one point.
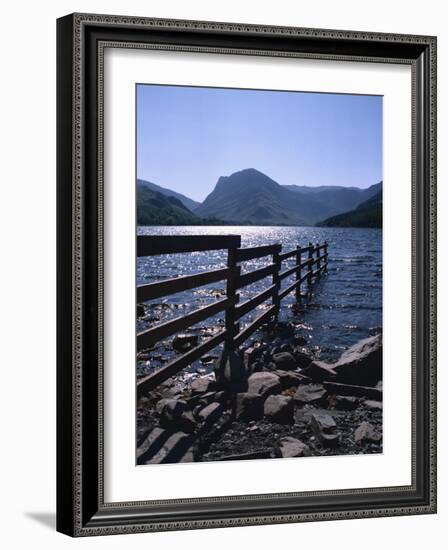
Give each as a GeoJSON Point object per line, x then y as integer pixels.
{"type": "Point", "coordinates": [185, 342]}
{"type": "Point", "coordinates": [203, 384]}
{"type": "Point", "coordinates": [366, 433]}
{"type": "Point", "coordinates": [248, 406]}
{"type": "Point", "coordinates": [324, 428]}
{"type": "Point", "coordinates": [210, 413]}
{"type": "Point", "coordinates": [140, 310]}
{"type": "Point", "coordinates": [162, 446]}
{"type": "Point", "coordinates": [373, 405]}
{"type": "Point", "coordinates": [264, 383]}
{"type": "Point", "coordinates": [310, 393]}
{"type": "Point", "coordinates": [290, 447]}
{"type": "Point", "coordinates": [230, 372]}
{"type": "Point", "coordinates": [175, 416]}
{"type": "Point", "coordinates": [290, 379]}
{"type": "Point", "coordinates": [343, 402]}
{"type": "Point", "coordinates": [357, 391]}
{"type": "Point", "coordinates": [279, 409]}
{"type": "Point", "coordinates": [320, 371]}
{"type": "Point", "coordinates": [302, 359]}
{"type": "Point", "coordinates": [284, 361]}
{"type": "Point", "coordinates": [362, 363]}
{"type": "Point", "coordinates": [174, 407]}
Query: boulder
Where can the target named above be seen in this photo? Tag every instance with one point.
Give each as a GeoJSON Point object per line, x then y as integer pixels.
{"type": "Point", "coordinates": [324, 428]}
{"type": "Point", "coordinates": [248, 406]}
{"type": "Point", "coordinates": [310, 393]}
{"type": "Point", "coordinates": [357, 391]}
{"type": "Point", "coordinates": [230, 372]}
{"type": "Point", "coordinates": [175, 416]}
{"type": "Point", "coordinates": [284, 361]}
{"type": "Point", "coordinates": [264, 383]}
{"type": "Point", "coordinates": [362, 363]}
{"type": "Point", "coordinates": [279, 409]}
{"type": "Point", "coordinates": [373, 405]}
{"type": "Point", "coordinates": [185, 342]}
{"type": "Point", "coordinates": [290, 379]}
{"type": "Point", "coordinates": [302, 359]}
{"type": "Point", "coordinates": [203, 384]}
{"type": "Point", "coordinates": [210, 413]}
{"type": "Point", "coordinates": [320, 371]}
{"type": "Point", "coordinates": [366, 433]}
{"type": "Point", "coordinates": [290, 447]}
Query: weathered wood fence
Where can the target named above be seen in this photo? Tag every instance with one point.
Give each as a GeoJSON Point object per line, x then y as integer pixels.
{"type": "Point", "coordinates": [309, 263]}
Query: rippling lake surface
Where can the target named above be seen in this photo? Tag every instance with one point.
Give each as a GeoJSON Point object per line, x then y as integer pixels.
{"type": "Point", "coordinates": [345, 306]}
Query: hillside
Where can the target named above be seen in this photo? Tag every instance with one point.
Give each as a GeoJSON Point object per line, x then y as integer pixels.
{"type": "Point", "coordinates": [186, 201]}
{"type": "Point", "coordinates": [369, 213]}
{"type": "Point", "coordinates": [249, 196]}
{"type": "Point", "coordinates": [154, 208]}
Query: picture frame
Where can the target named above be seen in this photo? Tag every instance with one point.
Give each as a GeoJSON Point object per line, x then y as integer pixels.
{"type": "Point", "coordinates": [81, 506]}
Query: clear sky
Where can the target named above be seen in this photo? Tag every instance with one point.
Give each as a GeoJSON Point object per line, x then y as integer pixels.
{"type": "Point", "coordinates": [188, 137]}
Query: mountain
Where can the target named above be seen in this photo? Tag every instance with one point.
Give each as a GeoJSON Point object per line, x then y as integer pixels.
{"type": "Point", "coordinates": [368, 213]}
{"type": "Point", "coordinates": [335, 199]}
{"type": "Point", "coordinates": [154, 208]}
{"type": "Point", "coordinates": [249, 196]}
{"type": "Point", "coordinates": [189, 203]}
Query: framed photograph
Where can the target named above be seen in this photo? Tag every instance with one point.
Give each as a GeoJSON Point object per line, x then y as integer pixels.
{"type": "Point", "coordinates": [246, 274]}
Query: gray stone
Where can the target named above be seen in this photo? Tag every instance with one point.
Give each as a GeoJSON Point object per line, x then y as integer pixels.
{"type": "Point", "coordinates": [162, 446]}
{"type": "Point", "coordinates": [362, 363]}
{"type": "Point", "coordinates": [290, 379]}
{"type": "Point", "coordinates": [230, 372]}
{"type": "Point", "coordinates": [210, 413]}
{"type": "Point", "coordinates": [264, 383]}
{"type": "Point", "coordinates": [185, 342]}
{"type": "Point", "coordinates": [284, 361]}
{"type": "Point", "coordinates": [279, 409]}
{"type": "Point", "coordinates": [366, 433]}
{"type": "Point", "coordinates": [373, 405]}
{"type": "Point", "coordinates": [320, 371]}
{"type": "Point", "coordinates": [248, 406]}
{"type": "Point", "coordinates": [290, 447]}
{"type": "Point", "coordinates": [174, 407]}
{"type": "Point", "coordinates": [310, 393]}
{"type": "Point", "coordinates": [324, 428]}
{"type": "Point", "coordinates": [203, 384]}
{"type": "Point", "coordinates": [349, 389]}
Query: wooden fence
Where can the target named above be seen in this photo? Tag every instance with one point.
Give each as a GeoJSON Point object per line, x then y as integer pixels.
{"type": "Point", "coordinates": [309, 263]}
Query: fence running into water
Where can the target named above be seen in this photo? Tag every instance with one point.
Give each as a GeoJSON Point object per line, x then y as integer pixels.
{"type": "Point", "coordinates": [310, 262]}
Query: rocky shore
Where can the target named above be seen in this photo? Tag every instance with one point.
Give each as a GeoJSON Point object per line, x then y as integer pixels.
{"type": "Point", "coordinates": [270, 400]}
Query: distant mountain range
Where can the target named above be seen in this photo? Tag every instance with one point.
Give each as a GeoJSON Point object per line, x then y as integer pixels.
{"type": "Point", "coordinates": [249, 197]}
{"type": "Point", "coordinates": [367, 214]}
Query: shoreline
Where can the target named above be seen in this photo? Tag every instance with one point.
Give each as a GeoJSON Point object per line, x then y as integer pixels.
{"type": "Point", "coordinates": [273, 399]}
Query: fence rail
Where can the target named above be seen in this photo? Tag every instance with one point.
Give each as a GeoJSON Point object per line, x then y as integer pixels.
{"type": "Point", "coordinates": [232, 336]}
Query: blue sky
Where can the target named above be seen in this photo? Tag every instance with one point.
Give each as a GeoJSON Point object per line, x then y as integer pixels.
{"type": "Point", "coordinates": [188, 137]}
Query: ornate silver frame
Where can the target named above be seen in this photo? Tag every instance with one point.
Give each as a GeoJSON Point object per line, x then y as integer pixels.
{"type": "Point", "coordinates": [82, 39]}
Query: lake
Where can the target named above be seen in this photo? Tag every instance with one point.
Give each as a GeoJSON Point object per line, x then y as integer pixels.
{"type": "Point", "coordinates": [346, 304]}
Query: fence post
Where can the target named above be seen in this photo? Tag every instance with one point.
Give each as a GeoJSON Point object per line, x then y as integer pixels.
{"type": "Point", "coordinates": [298, 272]}
{"type": "Point", "coordinates": [310, 267]}
{"type": "Point", "coordinates": [326, 256]}
{"type": "Point", "coordinates": [276, 281]}
{"type": "Point", "coordinates": [318, 259]}
{"type": "Point", "coordinates": [232, 326]}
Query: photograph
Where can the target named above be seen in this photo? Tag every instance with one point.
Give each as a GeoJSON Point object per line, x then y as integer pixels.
{"type": "Point", "coordinates": [259, 274]}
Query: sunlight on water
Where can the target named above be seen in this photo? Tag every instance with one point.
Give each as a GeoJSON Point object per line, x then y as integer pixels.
{"type": "Point", "coordinates": [346, 305]}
